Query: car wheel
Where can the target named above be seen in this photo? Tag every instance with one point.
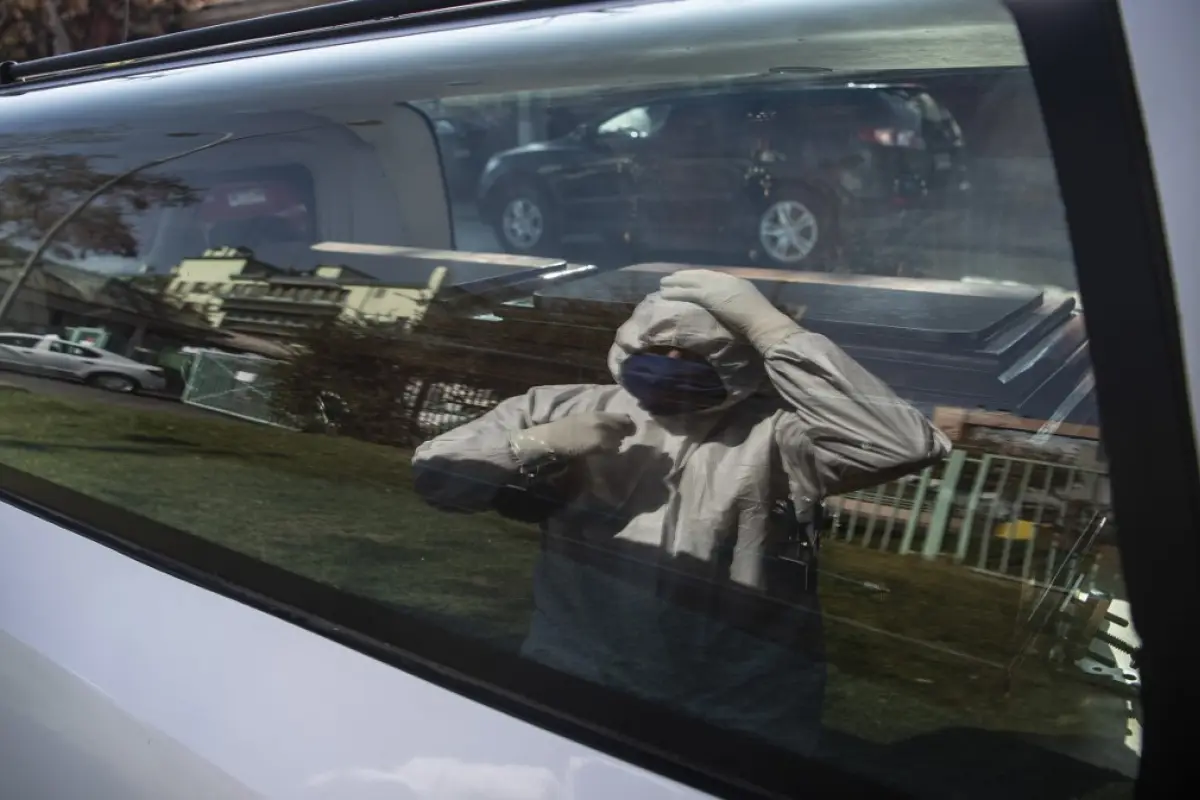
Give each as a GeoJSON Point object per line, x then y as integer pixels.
{"type": "Point", "coordinates": [112, 382]}
{"type": "Point", "coordinates": [525, 223]}
{"type": "Point", "coordinates": [793, 230]}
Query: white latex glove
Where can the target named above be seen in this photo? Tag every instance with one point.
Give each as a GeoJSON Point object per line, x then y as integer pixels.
{"type": "Point", "coordinates": [734, 302]}
{"type": "Point", "coordinates": [571, 437]}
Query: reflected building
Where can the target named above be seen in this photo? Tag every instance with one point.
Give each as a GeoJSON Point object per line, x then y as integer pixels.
{"type": "Point", "coordinates": [237, 292]}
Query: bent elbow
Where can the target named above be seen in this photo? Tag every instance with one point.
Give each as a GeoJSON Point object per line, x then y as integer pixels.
{"type": "Point", "coordinates": [425, 480]}
{"type": "Point", "coordinates": [939, 447]}
{"type": "Point", "coordinates": [931, 446]}
{"type": "Point", "coordinates": [455, 483]}
{"type": "Point", "coordinates": [926, 446]}
{"type": "Point", "coordinates": [433, 479]}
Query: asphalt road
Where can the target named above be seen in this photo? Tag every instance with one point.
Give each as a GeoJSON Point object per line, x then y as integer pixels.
{"type": "Point", "coordinates": [77, 392]}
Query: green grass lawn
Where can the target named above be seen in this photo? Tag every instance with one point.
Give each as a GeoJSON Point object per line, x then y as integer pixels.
{"type": "Point", "coordinates": [918, 658]}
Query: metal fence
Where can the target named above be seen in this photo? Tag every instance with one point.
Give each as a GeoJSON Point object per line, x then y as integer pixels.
{"type": "Point", "coordinates": [240, 385]}
{"type": "Point", "coordinates": [1006, 515]}
{"type": "Point", "coordinates": [1000, 514]}
{"type": "Point", "coordinates": [236, 384]}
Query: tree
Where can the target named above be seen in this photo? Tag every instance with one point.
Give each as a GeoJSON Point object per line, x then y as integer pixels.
{"type": "Point", "coordinates": [86, 194]}
{"type": "Point", "coordinates": [37, 190]}
{"type": "Point", "coordinates": [32, 29]}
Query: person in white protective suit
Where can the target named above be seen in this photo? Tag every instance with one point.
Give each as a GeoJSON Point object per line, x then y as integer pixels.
{"type": "Point", "coordinates": [664, 571]}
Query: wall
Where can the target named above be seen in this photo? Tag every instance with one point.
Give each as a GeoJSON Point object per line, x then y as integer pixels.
{"type": "Point", "coordinates": [204, 270]}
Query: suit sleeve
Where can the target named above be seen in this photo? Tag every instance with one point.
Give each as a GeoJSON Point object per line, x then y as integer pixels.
{"type": "Point", "coordinates": [463, 469]}
{"type": "Point", "coordinates": [844, 429]}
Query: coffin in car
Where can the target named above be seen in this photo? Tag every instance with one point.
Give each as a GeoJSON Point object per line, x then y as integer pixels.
{"type": "Point", "coordinates": [1007, 348]}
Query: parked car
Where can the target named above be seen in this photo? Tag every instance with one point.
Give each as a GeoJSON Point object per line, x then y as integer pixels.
{"type": "Point", "coordinates": [783, 174]}
{"type": "Point", "coordinates": [53, 357]}
{"type": "Point", "coordinates": [460, 143]}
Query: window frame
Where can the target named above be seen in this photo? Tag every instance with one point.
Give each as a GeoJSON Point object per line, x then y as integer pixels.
{"type": "Point", "coordinates": [65, 348]}
{"type": "Point", "coordinates": [1092, 115]}
{"type": "Point", "coordinates": [1085, 128]}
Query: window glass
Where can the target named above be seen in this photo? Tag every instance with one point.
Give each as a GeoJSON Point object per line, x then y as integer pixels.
{"type": "Point", "coordinates": [640, 122]}
{"type": "Point", "coordinates": [842, 493]}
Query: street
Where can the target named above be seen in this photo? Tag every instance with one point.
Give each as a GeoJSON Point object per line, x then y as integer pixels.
{"type": "Point", "coordinates": [79, 393]}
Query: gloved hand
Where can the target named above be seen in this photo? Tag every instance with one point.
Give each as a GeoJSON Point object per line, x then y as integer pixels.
{"type": "Point", "coordinates": [734, 302]}
{"type": "Point", "coordinates": [571, 437]}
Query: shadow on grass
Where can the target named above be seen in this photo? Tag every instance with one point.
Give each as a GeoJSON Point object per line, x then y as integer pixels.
{"type": "Point", "coordinates": [177, 448]}
{"type": "Point", "coordinates": [434, 580]}
{"type": "Point", "coordinates": [172, 441]}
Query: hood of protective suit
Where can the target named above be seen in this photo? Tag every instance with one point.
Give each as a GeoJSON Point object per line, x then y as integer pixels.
{"type": "Point", "coordinates": [668, 323]}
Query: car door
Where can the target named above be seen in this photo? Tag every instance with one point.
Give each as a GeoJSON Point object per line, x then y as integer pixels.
{"type": "Point", "coordinates": [68, 360]}
{"type": "Point", "coordinates": [17, 353]}
{"type": "Point", "coordinates": [690, 178]}
{"type": "Point", "coordinates": [596, 184]}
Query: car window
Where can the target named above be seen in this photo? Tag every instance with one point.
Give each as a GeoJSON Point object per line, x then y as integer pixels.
{"type": "Point", "coordinates": [73, 350]}
{"type": "Point", "coordinates": [831, 107]}
{"type": "Point", "coordinates": [640, 122]}
{"type": "Point", "coordinates": [920, 110]}
{"type": "Point", "coordinates": [790, 451]}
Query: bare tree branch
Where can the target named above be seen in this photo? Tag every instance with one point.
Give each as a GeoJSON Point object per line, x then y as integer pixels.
{"type": "Point", "coordinates": [62, 40]}
{"type": "Point", "coordinates": [27, 268]}
{"type": "Point", "coordinates": [18, 282]}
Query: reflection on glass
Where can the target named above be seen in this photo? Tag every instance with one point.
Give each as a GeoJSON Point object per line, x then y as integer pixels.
{"type": "Point", "coordinates": [680, 505]}
{"type": "Point", "coordinates": [324, 341]}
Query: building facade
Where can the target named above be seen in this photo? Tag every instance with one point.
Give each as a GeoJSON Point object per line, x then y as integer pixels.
{"type": "Point", "coordinates": [237, 292]}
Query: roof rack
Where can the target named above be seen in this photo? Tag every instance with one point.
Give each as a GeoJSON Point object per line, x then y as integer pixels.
{"type": "Point", "coordinates": [256, 32]}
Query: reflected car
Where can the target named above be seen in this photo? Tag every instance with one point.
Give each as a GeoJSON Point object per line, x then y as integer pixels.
{"type": "Point", "coordinates": [783, 176]}
{"type": "Point", "coordinates": [52, 357]}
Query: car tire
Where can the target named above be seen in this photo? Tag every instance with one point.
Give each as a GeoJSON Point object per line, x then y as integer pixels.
{"type": "Point", "coordinates": [525, 221]}
{"type": "Point", "coordinates": [795, 228]}
{"type": "Point", "coordinates": [113, 382]}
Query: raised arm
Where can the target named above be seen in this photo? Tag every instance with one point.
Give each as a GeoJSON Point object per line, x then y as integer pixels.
{"type": "Point", "coordinates": [846, 428]}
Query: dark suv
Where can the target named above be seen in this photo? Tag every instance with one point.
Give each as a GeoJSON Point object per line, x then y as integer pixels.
{"type": "Point", "coordinates": [784, 175]}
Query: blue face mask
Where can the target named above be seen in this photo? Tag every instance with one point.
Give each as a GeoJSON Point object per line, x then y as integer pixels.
{"type": "Point", "coordinates": [665, 386]}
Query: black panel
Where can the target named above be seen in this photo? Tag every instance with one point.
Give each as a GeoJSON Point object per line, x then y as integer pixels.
{"type": "Point", "coordinates": [945, 316]}
{"type": "Point", "coordinates": [1085, 84]}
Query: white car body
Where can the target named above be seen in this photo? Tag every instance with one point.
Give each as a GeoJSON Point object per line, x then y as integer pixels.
{"type": "Point", "coordinates": [54, 357]}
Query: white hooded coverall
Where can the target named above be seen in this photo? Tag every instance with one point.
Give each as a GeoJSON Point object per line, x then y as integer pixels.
{"type": "Point", "coordinates": [658, 574]}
